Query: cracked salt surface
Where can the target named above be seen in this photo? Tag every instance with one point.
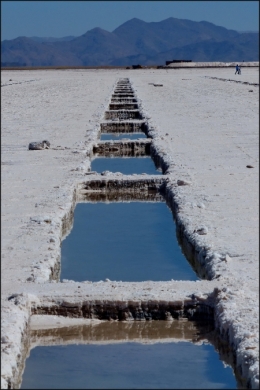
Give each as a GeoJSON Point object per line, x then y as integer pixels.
{"type": "Point", "coordinates": [206, 132]}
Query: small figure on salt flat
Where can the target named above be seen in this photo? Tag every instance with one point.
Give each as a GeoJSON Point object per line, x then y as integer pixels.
{"type": "Point", "coordinates": [238, 70]}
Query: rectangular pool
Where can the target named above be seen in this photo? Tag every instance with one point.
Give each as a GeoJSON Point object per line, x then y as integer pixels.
{"type": "Point", "coordinates": [117, 137]}
{"type": "Point", "coordinates": [127, 241]}
{"type": "Point", "coordinates": [125, 165]}
{"type": "Point", "coordinates": [156, 355]}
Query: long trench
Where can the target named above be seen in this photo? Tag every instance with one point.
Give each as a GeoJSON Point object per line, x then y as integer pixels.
{"type": "Point", "coordinates": [124, 116]}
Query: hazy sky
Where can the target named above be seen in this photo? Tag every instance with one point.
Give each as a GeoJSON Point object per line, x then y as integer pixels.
{"type": "Point", "coordinates": [62, 18]}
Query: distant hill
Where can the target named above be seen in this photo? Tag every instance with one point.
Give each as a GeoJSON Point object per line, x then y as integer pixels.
{"type": "Point", "coordinates": [134, 42]}
{"type": "Point", "coordinates": [25, 50]}
{"type": "Point", "coordinates": [238, 49]}
{"type": "Point", "coordinates": [249, 31]}
{"type": "Point", "coordinates": [51, 39]}
{"type": "Point", "coordinates": [170, 33]}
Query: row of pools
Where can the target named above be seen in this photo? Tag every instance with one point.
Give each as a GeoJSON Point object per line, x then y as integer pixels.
{"type": "Point", "coordinates": [126, 241]}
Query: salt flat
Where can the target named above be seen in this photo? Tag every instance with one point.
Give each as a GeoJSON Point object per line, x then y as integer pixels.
{"type": "Point", "coordinates": [212, 137]}
{"type": "Point", "coordinates": [206, 129]}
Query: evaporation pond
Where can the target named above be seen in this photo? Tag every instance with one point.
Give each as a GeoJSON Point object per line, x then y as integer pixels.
{"type": "Point", "coordinates": [125, 165]}
{"type": "Point", "coordinates": [117, 137]}
{"type": "Point", "coordinates": [150, 360]}
{"type": "Point", "coordinates": [127, 241]}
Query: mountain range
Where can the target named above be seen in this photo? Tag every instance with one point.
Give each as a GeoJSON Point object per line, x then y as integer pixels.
{"type": "Point", "coordinates": [135, 42]}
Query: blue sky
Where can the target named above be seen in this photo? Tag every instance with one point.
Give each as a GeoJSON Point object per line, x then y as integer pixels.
{"type": "Point", "coordinates": [63, 18]}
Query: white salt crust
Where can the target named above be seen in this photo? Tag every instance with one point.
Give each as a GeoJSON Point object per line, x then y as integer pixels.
{"type": "Point", "coordinates": [206, 132]}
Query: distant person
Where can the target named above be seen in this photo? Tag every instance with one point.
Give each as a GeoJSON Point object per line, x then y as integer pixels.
{"type": "Point", "coordinates": [238, 71]}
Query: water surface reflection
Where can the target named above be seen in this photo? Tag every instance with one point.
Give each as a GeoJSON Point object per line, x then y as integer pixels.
{"type": "Point", "coordinates": [156, 355]}
{"type": "Point", "coordinates": [133, 241]}
{"type": "Point", "coordinates": [125, 165]}
{"type": "Point", "coordinates": [117, 137]}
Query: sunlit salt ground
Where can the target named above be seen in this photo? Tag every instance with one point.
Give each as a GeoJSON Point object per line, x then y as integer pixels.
{"type": "Point", "coordinates": [133, 241]}
{"type": "Point", "coordinates": [125, 165]}
{"type": "Point", "coordinates": [117, 137]}
{"type": "Point", "coordinates": [214, 126]}
{"type": "Point", "coordinates": [181, 365]}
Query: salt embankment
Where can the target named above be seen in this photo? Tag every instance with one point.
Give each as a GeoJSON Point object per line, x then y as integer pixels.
{"type": "Point", "coordinates": [212, 64]}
